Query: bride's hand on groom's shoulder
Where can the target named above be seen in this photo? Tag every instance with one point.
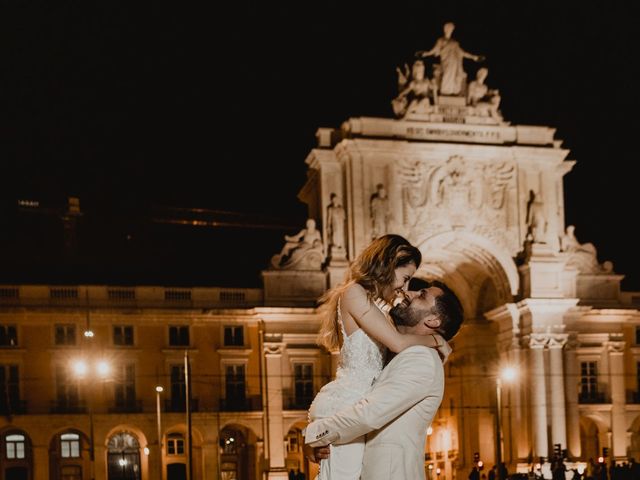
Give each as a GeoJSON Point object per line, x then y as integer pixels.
{"type": "Point", "coordinates": [444, 349]}
{"type": "Point", "coordinates": [316, 454]}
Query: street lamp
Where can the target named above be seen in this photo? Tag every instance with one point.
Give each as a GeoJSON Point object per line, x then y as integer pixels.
{"type": "Point", "coordinates": [508, 374]}
{"type": "Point", "coordinates": [80, 369]}
{"type": "Point", "coordinates": [159, 390]}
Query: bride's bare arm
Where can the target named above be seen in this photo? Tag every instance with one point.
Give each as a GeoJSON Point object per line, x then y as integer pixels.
{"type": "Point", "coordinates": [356, 303]}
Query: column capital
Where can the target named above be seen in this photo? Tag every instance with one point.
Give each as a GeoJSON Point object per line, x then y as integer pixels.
{"type": "Point", "coordinates": [273, 348]}
{"type": "Point", "coordinates": [616, 347]}
{"type": "Point", "coordinates": [538, 341]}
{"type": "Point", "coordinates": [572, 341]}
{"type": "Point", "coordinates": [558, 340]}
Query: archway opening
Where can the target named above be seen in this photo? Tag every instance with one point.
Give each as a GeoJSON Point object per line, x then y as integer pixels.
{"type": "Point", "coordinates": [590, 440]}
{"type": "Point", "coordinates": [123, 457]}
{"type": "Point", "coordinates": [15, 455]}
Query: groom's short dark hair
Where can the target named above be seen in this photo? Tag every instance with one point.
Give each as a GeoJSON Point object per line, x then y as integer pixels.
{"type": "Point", "coordinates": [450, 311]}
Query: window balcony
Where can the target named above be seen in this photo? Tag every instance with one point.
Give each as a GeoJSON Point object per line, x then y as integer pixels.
{"type": "Point", "coordinates": [243, 404]}
{"type": "Point", "coordinates": [13, 407]}
{"type": "Point", "coordinates": [296, 403]}
{"type": "Point", "coordinates": [129, 406]}
{"type": "Point", "coordinates": [591, 398]}
{"type": "Point", "coordinates": [179, 405]}
{"type": "Point", "coordinates": [68, 406]}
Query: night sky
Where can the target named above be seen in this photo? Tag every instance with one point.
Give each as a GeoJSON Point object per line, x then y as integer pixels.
{"type": "Point", "coordinates": [141, 109]}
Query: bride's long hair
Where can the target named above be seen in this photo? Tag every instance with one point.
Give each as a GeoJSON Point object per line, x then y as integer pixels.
{"type": "Point", "coordinates": [374, 270]}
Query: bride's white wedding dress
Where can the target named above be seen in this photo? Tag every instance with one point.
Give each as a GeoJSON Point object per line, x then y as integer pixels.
{"type": "Point", "coordinates": [361, 361]}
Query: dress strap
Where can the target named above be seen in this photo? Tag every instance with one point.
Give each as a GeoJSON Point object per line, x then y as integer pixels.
{"type": "Point", "coordinates": [339, 318]}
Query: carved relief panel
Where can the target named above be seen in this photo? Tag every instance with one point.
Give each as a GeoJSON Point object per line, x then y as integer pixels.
{"type": "Point", "coordinates": [457, 194]}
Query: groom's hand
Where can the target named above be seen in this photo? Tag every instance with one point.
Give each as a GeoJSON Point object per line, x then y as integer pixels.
{"type": "Point", "coordinates": [316, 454]}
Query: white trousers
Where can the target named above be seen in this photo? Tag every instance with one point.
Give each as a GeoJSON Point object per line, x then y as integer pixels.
{"type": "Point", "coordinates": [344, 462]}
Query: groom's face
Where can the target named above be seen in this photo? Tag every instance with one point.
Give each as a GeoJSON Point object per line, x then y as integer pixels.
{"type": "Point", "coordinates": [418, 311]}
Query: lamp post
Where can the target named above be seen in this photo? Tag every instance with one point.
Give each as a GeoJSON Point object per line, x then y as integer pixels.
{"type": "Point", "coordinates": [81, 368]}
{"type": "Point", "coordinates": [159, 390]}
{"type": "Point", "coordinates": [507, 374]}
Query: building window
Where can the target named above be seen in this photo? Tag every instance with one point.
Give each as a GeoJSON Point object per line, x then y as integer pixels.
{"type": "Point", "coordinates": [65, 334]}
{"type": "Point", "coordinates": [70, 445]}
{"type": "Point", "coordinates": [234, 336]}
{"type": "Point", "coordinates": [589, 383]}
{"type": "Point", "coordinates": [175, 444]}
{"type": "Point", "coordinates": [303, 380]}
{"type": "Point", "coordinates": [125, 387]}
{"type": "Point", "coordinates": [235, 384]}
{"type": "Point", "coordinates": [66, 390]}
{"type": "Point", "coordinates": [15, 446]}
{"type": "Point", "coordinates": [9, 389]}
{"type": "Point", "coordinates": [123, 335]}
{"type": "Point", "coordinates": [178, 336]}
{"type": "Point", "coordinates": [8, 336]}
{"type": "Point", "coordinates": [178, 388]}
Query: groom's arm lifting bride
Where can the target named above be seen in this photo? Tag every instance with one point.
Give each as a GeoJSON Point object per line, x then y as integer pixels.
{"type": "Point", "coordinates": [400, 406]}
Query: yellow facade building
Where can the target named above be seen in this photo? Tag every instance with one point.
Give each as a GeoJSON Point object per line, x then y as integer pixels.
{"type": "Point", "coordinates": [484, 202]}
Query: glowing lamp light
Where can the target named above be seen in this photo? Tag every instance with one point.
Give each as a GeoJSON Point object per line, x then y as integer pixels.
{"type": "Point", "coordinates": [509, 374]}
{"type": "Point", "coordinates": [88, 333]}
{"type": "Point", "coordinates": [438, 471]}
{"type": "Point", "coordinates": [430, 466]}
{"type": "Point", "coordinates": [103, 368]}
{"type": "Point", "coordinates": [146, 451]}
{"type": "Point", "coordinates": [159, 389]}
{"type": "Point", "coordinates": [480, 464]}
{"type": "Point", "coordinates": [600, 459]}
{"type": "Point", "coordinates": [122, 462]}
{"type": "Point", "coordinates": [80, 368]}
{"type": "Point", "coordinates": [429, 431]}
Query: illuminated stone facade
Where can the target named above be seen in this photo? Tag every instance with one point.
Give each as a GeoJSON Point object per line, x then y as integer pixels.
{"type": "Point", "coordinates": [484, 202]}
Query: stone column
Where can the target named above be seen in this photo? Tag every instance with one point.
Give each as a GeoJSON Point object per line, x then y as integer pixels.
{"type": "Point", "coordinates": [519, 427]}
{"type": "Point", "coordinates": [275, 433]}
{"type": "Point", "coordinates": [571, 394]}
{"type": "Point", "coordinates": [558, 413]}
{"type": "Point", "coordinates": [616, 380]}
{"type": "Point", "coordinates": [538, 396]}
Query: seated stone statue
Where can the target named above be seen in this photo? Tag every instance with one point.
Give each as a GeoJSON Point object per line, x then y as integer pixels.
{"type": "Point", "coordinates": [485, 100]}
{"type": "Point", "coordinates": [582, 256]}
{"type": "Point", "coordinates": [415, 92]}
{"type": "Point", "coordinates": [302, 251]}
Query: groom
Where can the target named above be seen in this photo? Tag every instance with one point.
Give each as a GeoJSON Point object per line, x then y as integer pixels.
{"type": "Point", "coordinates": [400, 406]}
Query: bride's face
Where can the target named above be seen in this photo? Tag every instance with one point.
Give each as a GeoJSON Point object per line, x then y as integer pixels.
{"type": "Point", "coordinates": [402, 275]}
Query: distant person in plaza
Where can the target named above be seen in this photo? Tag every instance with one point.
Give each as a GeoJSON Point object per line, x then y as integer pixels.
{"type": "Point", "coordinates": [355, 323]}
{"type": "Point", "coordinates": [451, 57]}
{"type": "Point", "coordinates": [401, 404]}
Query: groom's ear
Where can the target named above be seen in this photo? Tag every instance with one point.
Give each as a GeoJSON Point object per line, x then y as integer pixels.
{"type": "Point", "coordinates": [433, 322]}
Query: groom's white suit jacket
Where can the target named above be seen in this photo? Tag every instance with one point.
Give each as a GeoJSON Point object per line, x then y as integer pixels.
{"type": "Point", "coordinates": [395, 414]}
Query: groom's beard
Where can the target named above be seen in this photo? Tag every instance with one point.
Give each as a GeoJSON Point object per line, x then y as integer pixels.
{"type": "Point", "coordinates": [404, 316]}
